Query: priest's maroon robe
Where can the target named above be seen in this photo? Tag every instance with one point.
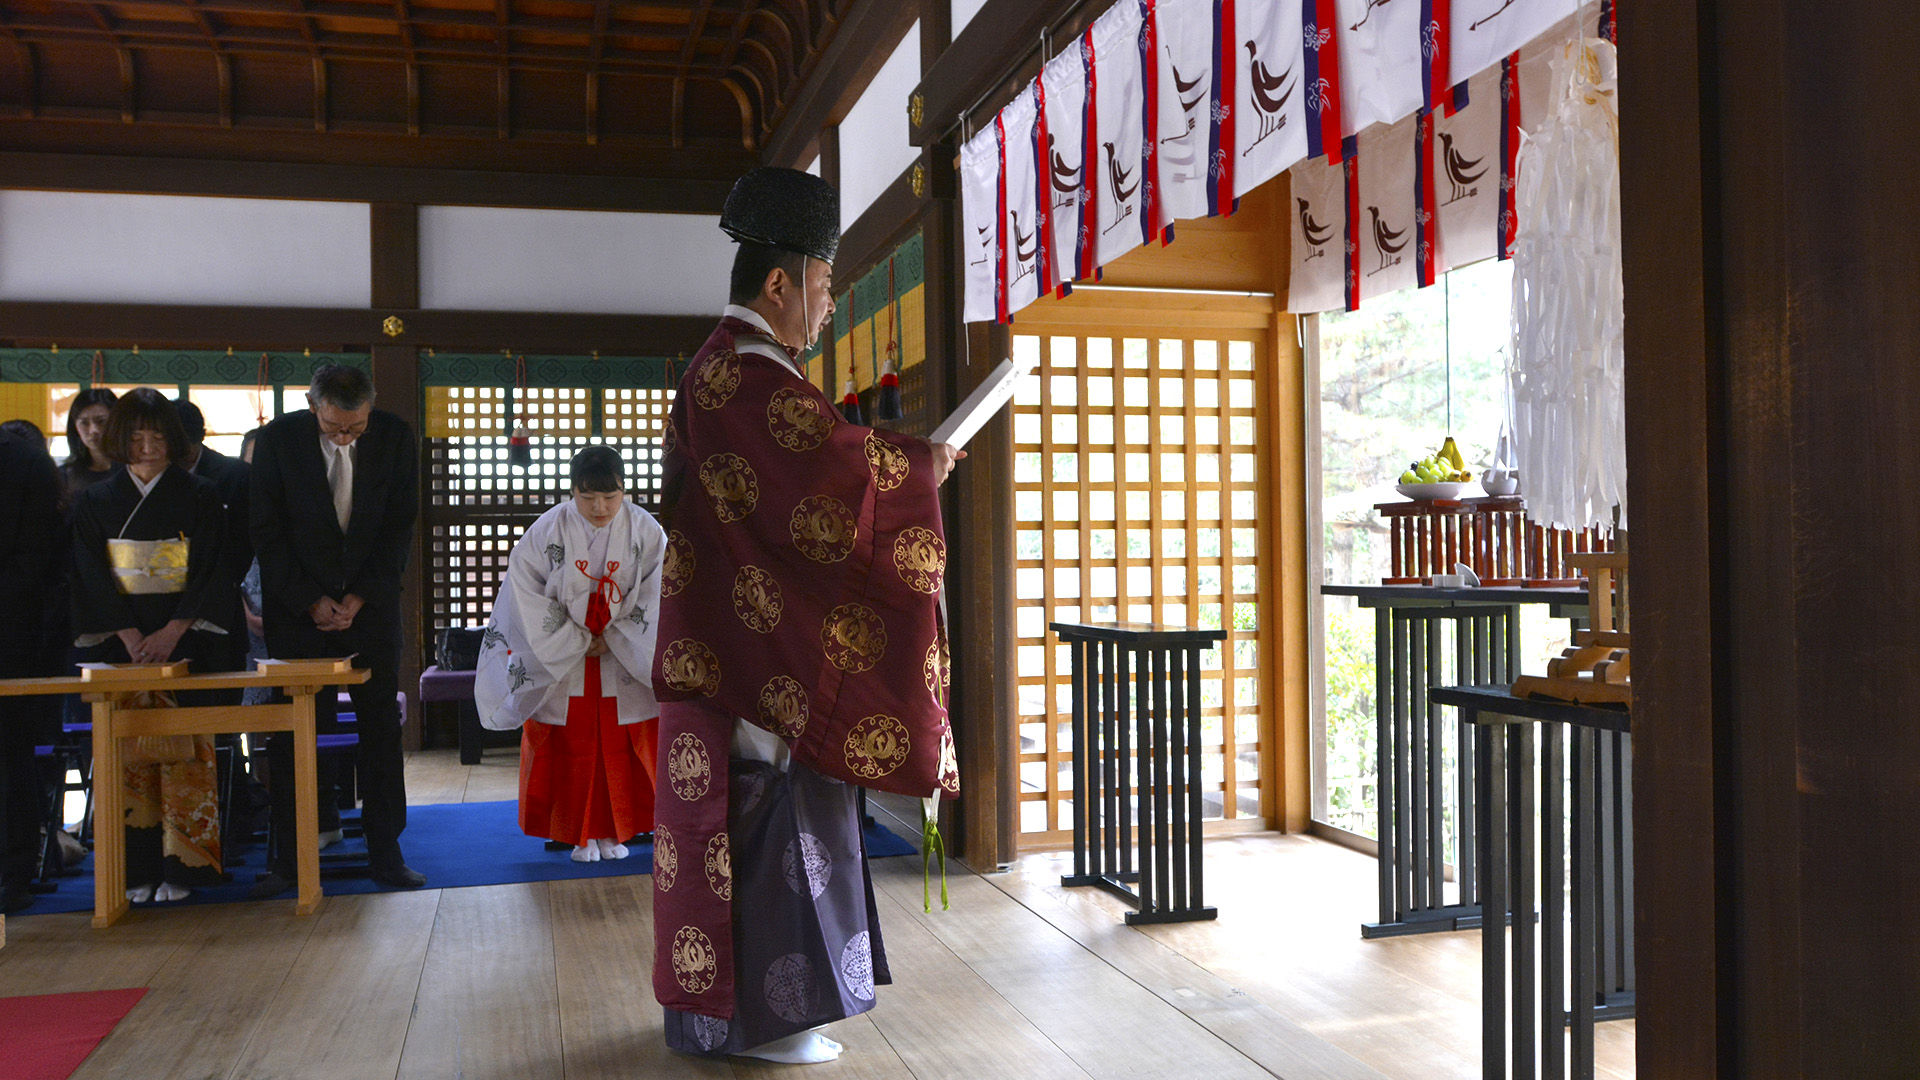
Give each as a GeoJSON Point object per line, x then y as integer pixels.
{"type": "Point", "coordinates": [800, 592]}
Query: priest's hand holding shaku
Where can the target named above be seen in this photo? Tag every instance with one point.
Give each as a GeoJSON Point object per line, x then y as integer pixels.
{"type": "Point", "coordinates": [944, 457]}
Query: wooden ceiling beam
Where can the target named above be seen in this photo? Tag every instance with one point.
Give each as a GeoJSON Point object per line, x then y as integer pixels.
{"type": "Point", "coordinates": [602, 11]}
{"type": "Point", "coordinates": [868, 32]}
{"type": "Point", "coordinates": [459, 53]}
{"type": "Point", "coordinates": [503, 76]}
{"type": "Point", "coordinates": [696, 29]}
{"type": "Point", "coordinates": [401, 15]}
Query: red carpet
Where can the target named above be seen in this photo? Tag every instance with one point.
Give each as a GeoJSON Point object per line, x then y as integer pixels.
{"type": "Point", "coordinates": [49, 1035]}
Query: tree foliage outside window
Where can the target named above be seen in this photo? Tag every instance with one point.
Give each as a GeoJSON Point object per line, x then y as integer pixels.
{"type": "Point", "coordinates": [1391, 374]}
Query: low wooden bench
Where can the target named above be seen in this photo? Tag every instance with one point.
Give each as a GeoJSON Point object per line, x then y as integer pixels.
{"type": "Point", "coordinates": [116, 718]}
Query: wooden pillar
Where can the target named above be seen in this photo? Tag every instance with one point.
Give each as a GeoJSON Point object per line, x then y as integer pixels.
{"type": "Point", "coordinates": [980, 602]}
{"type": "Point", "coordinates": [395, 229]}
{"type": "Point", "coordinates": [1768, 265]}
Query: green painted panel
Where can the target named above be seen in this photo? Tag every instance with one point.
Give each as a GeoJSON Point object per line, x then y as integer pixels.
{"type": "Point", "coordinates": [164, 367]}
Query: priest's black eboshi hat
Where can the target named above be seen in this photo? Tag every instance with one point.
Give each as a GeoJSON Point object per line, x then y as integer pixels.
{"type": "Point", "coordinates": [784, 208]}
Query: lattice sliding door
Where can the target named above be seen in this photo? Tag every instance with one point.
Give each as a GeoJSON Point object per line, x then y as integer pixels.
{"type": "Point", "coordinates": [1137, 497]}
{"type": "Point", "coordinates": [478, 504]}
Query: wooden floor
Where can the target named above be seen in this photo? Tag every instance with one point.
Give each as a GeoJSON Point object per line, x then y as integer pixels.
{"type": "Point", "coordinates": [1020, 979]}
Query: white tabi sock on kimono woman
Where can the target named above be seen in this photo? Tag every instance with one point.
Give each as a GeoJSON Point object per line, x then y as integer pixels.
{"type": "Point", "coordinates": [612, 849]}
{"type": "Point", "coordinates": [587, 852]}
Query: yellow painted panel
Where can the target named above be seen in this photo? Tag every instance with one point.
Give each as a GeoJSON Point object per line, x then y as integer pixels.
{"type": "Point", "coordinates": [842, 348]}
{"type": "Point", "coordinates": [27, 401]}
{"type": "Point", "coordinates": [862, 357]}
{"type": "Point", "coordinates": [913, 327]}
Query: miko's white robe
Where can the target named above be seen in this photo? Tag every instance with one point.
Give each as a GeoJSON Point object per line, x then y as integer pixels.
{"type": "Point", "coordinates": [534, 654]}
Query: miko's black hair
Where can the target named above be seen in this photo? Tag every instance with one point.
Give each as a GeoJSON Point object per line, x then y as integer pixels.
{"type": "Point", "coordinates": [598, 468]}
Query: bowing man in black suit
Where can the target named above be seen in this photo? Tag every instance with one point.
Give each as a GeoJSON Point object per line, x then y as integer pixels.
{"type": "Point", "coordinates": [334, 497]}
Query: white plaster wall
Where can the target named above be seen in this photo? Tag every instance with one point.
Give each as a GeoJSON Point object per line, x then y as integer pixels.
{"type": "Point", "coordinates": [169, 249]}
{"type": "Point", "coordinates": [873, 138]}
{"type": "Point", "coordinates": [963, 13]}
{"type": "Point", "coordinates": [608, 262]}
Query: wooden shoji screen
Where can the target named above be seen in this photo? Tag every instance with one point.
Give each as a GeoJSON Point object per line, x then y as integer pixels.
{"type": "Point", "coordinates": [1138, 497]}
{"type": "Point", "coordinates": [478, 504]}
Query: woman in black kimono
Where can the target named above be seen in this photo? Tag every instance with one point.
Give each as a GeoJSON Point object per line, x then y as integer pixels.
{"type": "Point", "coordinates": [147, 588]}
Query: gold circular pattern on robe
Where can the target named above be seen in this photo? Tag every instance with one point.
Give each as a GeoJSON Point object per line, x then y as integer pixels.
{"type": "Point", "coordinates": [938, 670]}
{"type": "Point", "coordinates": [949, 763]}
{"type": "Point", "coordinates": [716, 380]}
{"type": "Point", "coordinates": [668, 438]}
{"type": "Point", "coordinates": [796, 420]}
{"type": "Point", "coordinates": [920, 557]}
{"type": "Point", "coordinates": [693, 960]}
{"type": "Point", "coordinates": [666, 861]}
{"type": "Point", "coordinates": [731, 485]}
{"type": "Point", "coordinates": [876, 746]}
{"type": "Point", "coordinates": [887, 462]}
{"type": "Point", "coordinates": [823, 529]}
{"type": "Point", "coordinates": [689, 769]}
{"type": "Point", "coordinates": [756, 599]}
{"type": "Point", "coordinates": [677, 565]}
{"type": "Point", "coordinates": [720, 867]}
{"type": "Point", "coordinates": [784, 706]}
{"type": "Point", "coordinates": [691, 666]}
{"type": "Point", "coordinates": [854, 636]}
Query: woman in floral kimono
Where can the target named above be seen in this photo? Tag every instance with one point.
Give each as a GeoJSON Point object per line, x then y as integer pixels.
{"type": "Point", "coordinates": [147, 587]}
{"type": "Point", "coordinates": [570, 647]}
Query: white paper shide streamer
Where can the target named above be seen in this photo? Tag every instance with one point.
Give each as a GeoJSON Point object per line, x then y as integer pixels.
{"type": "Point", "coordinates": [1568, 399]}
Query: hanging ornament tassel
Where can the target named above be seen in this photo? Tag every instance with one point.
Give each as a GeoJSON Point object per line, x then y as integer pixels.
{"type": "Point", "coordinates": [887, 407]}
{"type": "Point", "coordinates": [520, 440]}
{"type": "Point", "coordinates": [850, 404]}
{"type": "Point", "coordinates": [262, 386]}
{"type": "Point", "coordinates": [931, 843]}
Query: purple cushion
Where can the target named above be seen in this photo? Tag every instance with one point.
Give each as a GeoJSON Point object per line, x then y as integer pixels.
{"type": "Point", "coordinates": [439, 685]}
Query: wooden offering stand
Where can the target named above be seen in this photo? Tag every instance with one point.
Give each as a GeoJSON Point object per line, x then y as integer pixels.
{"type": "Point", "coordinates": [1597, 667]}
{"type": "Point", "coordinates": [112, 690]}
{"type": "Point", "coordinates": [1491, 534]}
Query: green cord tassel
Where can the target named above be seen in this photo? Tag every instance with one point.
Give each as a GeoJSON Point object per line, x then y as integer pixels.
{"type": "Point", "coordinates": [931, 841]}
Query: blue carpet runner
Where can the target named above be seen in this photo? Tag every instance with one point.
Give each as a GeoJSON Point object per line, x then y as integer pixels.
{"type": "Point", "coordinates": [455, 844]}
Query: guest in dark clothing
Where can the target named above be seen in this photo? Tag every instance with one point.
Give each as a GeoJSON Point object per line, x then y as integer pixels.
{"type": "Point", "coordinates": [229, 477]}
{"type": "Point", "coordinates": [148, 585]}
{"type": "Point", "coordinates": [335, 495]}
{"type": "Point", "coordinates": [27, 430]}
{"type": "Point", "coordinates": [29, 514]}
{"type": "Point", "coordinates": [87, 462]}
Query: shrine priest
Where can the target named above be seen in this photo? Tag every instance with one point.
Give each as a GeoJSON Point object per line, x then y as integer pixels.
{"type": "Point", "coordinates": [568, 653]}
{"type": "Point", "coordinates": [802, 653]}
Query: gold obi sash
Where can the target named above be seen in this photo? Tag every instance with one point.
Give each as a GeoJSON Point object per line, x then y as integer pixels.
{"type": "Point", "coordinates": [147, 567]}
